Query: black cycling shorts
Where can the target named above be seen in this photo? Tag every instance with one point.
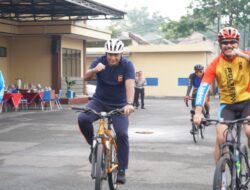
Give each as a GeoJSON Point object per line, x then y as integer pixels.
{"type": "Point", "coordinates": [234, 111]}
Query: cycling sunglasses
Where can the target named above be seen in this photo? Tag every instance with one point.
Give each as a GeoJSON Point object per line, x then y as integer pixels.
{"type": "Point", "coordinates": [226, 42]}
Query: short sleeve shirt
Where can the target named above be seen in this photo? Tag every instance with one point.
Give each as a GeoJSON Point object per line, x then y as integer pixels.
{"type": "Point", "coordinates": [233, 78]}
{"type": "Point", "coordinates": [111, 87]}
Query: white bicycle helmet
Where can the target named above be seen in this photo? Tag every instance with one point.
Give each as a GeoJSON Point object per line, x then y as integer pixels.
{"type": "Point", "coordinates": [114, 46]}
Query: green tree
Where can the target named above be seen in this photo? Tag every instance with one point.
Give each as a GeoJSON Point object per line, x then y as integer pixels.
{"type": "Point", "coordinates": [229, 12]}
{"type": "Point", "coordinates": [222, 13]}
{"type": "Point", "coordinates": [183, 28]}
{"type": "Point", "coordinates": [207, 16]}
{"type": "Point", "coordinates": [139, 21]}
{"type": "Point", "coordinates": [116, 32]}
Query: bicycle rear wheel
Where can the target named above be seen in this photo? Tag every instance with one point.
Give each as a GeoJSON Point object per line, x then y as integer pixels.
{"type": "Point", "coordinates": [223, 174]}
{"type": "Point", "coordinates": [112, 177]}
{"type": "Point", "coordinates": [100, 167]}
{"type": "Point", "coordinates": [244, 171]}
{"type": "Point", "coordinates": [195, 133]}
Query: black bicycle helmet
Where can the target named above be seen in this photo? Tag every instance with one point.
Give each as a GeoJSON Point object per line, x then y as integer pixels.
{"type": "Point", "coordinates": [198, 67]}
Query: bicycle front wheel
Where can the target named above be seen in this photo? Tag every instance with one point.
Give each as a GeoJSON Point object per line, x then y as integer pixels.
{"type": "Point", "coordinates": [195, 133]}
{"type": "Point", "coordinates": [202, 131]}
{"type": "Point", "coordinates": [244, 171]}
{"type": "Point", "coordinates": [113, 163]}
{"type": "Point", "coordinates": [223, 174]}
{"type": "Point", "coordinates": [100, 167]}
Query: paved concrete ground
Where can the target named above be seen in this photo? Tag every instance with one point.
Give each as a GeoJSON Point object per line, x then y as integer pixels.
{"type": "Point", "coordinates": [44, 150]}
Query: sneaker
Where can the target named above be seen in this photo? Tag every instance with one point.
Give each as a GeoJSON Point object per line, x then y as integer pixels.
{"type": "Point", "coordinates": [193, 131]}
{"type": "Point", "coordinates": [90, 155]}
{"type": "Point", "coordinates": [207, 116]}
{"type": "Point", "coordinates": [121, 177]}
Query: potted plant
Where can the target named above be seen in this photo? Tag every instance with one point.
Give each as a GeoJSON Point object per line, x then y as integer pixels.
{"type": "Point", "coordinates": [69, 84]}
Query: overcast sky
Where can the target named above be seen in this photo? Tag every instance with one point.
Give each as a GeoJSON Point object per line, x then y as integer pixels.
{"type": "Point", "coordinates": [173, 9]}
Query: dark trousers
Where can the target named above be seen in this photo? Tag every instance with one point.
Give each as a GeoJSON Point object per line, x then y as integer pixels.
{"type": "Point", "coordinates": [120, 123]}
{"type": "Point", "coordinates": [139, 93]}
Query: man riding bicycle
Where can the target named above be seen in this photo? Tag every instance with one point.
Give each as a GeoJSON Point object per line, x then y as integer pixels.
{"type": "Point", "coordinates": [231, 70]}
{"type": "Point", "coordinates": [115, 89]}
{"type": "Point", "coordinates": [194, 82]}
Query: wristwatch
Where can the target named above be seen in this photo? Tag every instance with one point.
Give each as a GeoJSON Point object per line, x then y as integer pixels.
{"type": "Point", "coordinates": [129, 103]}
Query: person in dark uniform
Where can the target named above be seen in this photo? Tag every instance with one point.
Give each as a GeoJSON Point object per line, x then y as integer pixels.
{"type": "Point", "coordinates": [115, 77]}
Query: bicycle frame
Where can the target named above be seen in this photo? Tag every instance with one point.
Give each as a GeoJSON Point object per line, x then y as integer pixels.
{"type": "Point", "coordinates": [104, 163]}
{"type": "Point", "coordinates": [105, 136]}
{"type": "Point", "coordinates": [233, 144]}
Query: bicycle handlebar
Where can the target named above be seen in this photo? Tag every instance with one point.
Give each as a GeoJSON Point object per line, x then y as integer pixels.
{"type": "Point", "coordinates": [101, 114]}
{"type": "Point", "coordinates": [227, 122]}
{"type": "Point", "coordinates": [186, 102]}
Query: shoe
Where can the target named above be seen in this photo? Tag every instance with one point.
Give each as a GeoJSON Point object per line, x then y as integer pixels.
{"type": "Point", "coordinates": [121, 177]}
{"type": "Point", "coordinates": [193, 131]}
{"type": "Point", "coordinates": [90, 155]}
{"type": "Point", "coordinates": [136, 107]}
{"type": "Point", "coordinates": [143, 108]}
{"type": "Point", "coordinates": [207, 116]}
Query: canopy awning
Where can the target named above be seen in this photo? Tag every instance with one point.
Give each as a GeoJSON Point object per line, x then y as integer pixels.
{"type": "Point", "coordinates": [54, 10]}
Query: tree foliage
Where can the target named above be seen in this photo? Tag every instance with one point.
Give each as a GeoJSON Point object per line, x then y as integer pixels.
{"type": "Point", "coordinates": [209, 15]}
{"type": "Point", "coordinates": [205, 16]}
{"type": "Point", "coordinates": [232, 12]}
{"type": "Point", "coordinates": [184, 27]}
{"type": "Point", "coordinates": [138, 20]}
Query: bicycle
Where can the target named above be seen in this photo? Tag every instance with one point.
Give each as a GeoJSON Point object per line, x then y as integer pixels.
{"type": "Point", "coordinates": [233, 164]}
{"type": "Point", "coordinates": [197, 130]}
{"type": "Point", "coordinates": [104, 163]}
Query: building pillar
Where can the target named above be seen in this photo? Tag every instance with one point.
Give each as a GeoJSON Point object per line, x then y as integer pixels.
{"type": "Point", "coordinates": [84, 66]}
{"type": "Point", "coordinates": [56, 63]}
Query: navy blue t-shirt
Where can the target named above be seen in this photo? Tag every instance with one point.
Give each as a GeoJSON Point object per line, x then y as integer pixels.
{"type": "Point", "coordinates": [111, 87]}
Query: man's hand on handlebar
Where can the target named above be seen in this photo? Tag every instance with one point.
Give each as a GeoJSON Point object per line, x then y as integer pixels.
{"type": "Point", "coordinates": [198, 115]}
{"type": "Point", "coordinates": [128, 109]}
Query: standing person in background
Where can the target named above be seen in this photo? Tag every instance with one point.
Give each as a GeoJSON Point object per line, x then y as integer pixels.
{"type": "Point", "coordinates": [140, 82]}
{"type": "Point", "coordinates": [136, 96]}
